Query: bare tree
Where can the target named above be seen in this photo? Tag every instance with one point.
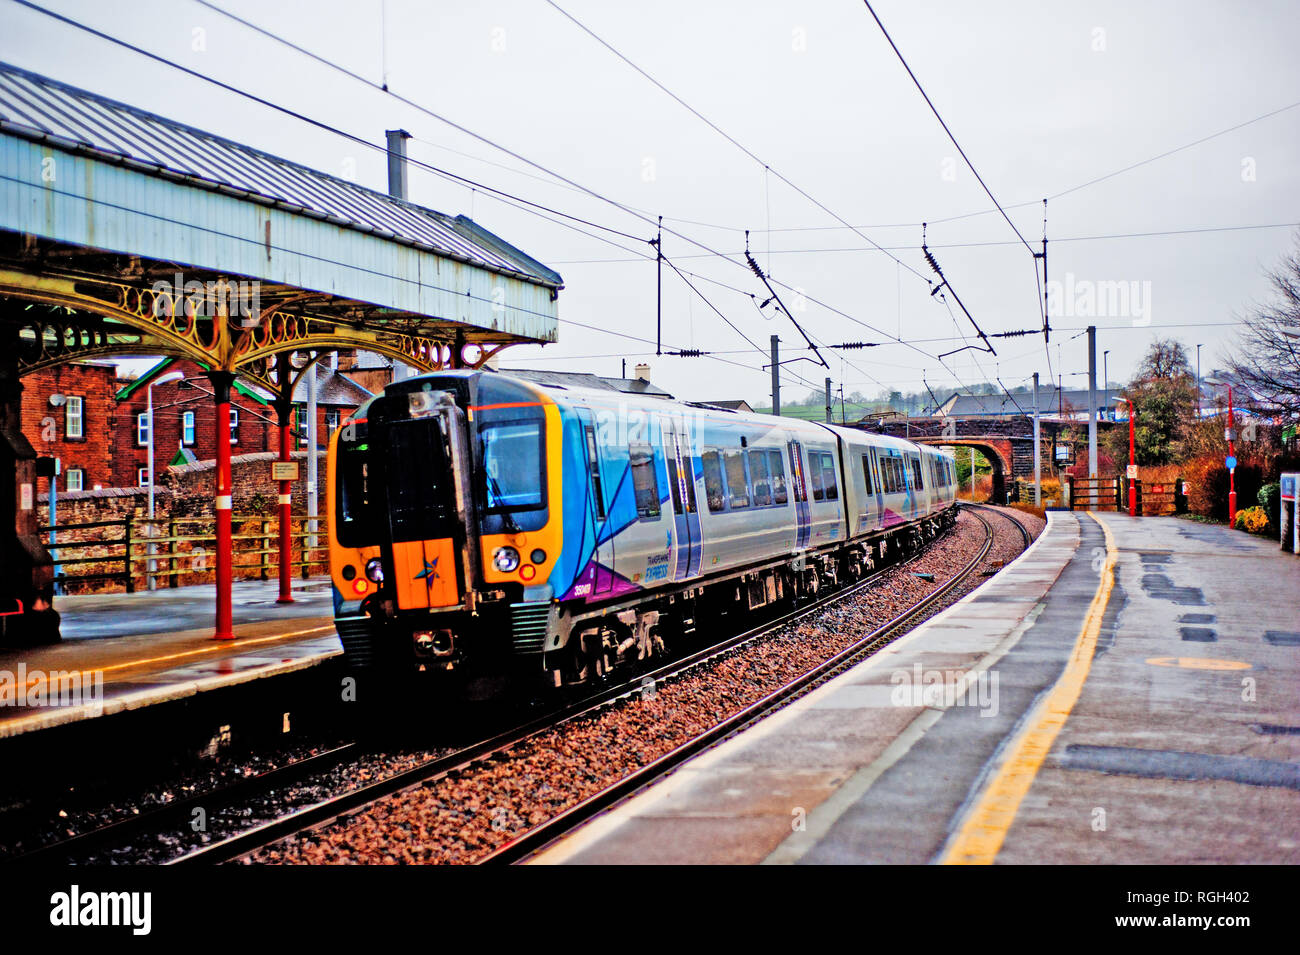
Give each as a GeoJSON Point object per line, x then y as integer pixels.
{"type": "Point", "coordinates": [1267, 360]}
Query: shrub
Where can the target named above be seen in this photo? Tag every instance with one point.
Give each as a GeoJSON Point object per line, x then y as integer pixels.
{"type": "Point", "coordinates": [1253, 520]}
{"type": "Point", "coordinates": [1270, 499]}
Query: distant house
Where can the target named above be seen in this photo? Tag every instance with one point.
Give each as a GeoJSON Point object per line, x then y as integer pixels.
{"type": "Point", "coordinates": [730, 404]}
{"type": "Point", "coordinates": [184, 419]}
{"type": "Point", "coordinates": [69, 412]}
{"type": "Point", "coordinates": [582, 379]}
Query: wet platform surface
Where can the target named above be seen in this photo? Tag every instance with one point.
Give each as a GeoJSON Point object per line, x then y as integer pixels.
{"type": "Point", "coordinates": [1057, 714]}
{"type": "Point", "coordinates": [127, 651]}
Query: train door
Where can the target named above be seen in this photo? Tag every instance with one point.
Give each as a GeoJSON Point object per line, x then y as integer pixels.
{"type": "Point", "coordinates": [686, 519]}
{"type": "Point", "coordinates": [599, 506]}
{"type": "Point", "coordinates": [799, 487]}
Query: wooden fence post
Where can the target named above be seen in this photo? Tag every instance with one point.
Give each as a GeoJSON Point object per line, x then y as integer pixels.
{"type": "Point", "coordinates": [126, 537]}
{"type": "Point", "coordinates": [172, 550]}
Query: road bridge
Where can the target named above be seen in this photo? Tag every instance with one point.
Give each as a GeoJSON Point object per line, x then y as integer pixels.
{"type": "Point", "coordinates": [1006, 442]}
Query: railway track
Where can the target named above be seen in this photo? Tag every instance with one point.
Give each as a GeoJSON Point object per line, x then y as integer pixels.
{"type": "Point", "coordinates": [174, 815]}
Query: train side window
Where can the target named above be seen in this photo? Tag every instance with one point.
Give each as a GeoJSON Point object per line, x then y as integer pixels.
{"type": "Point", "coordinates": [713, 489]}
{"type": "Point", "coordinates": [645, 483]}
{"type": "Point", "coordinates": [866, 471]}
{"type": "Point", "coordinates": [593, 464]}
{"type": "Point", "coordinates": [815, 476]}
{"type": "Point", "coordinates": [916, 471]}
{"type": "Point", "coordinates": [776, 469]}
{"type": "Point", "coordinates": [761, 480]}
{"type": "Point", "coordinates": [828, 477]}
{"type": "Point", "coordinates": [737, 486]}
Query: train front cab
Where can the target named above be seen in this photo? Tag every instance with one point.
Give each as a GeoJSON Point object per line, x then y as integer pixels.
{"type": "Point", "coordinates": [444, 496]}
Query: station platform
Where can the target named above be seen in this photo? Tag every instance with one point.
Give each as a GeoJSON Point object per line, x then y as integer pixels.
{"type": "Point", "coordinates": [129, 651]}
{"type": "Point", "coordinates": [1126, 691]}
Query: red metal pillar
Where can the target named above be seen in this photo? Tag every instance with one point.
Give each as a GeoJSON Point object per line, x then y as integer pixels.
{"type": "Point", "coordinates": [221, 382]}
{"type": "Point", "coordinates": [1132, 460]}
{"type": "Point", "coordinates": [284, 409]}
{"type": "Point", "coordinates": [1232, 453]}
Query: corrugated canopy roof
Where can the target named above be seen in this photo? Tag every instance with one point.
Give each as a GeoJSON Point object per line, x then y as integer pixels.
{"type": "Point", "coordinates": [37, 108]}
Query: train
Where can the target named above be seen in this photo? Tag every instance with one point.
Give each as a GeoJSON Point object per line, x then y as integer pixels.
{"type": "Point", "coordinates": [481, 523]}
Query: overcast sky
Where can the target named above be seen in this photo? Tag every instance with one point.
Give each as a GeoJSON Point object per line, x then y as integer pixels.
{"type": "Point", "coordinates": [1043, 97]}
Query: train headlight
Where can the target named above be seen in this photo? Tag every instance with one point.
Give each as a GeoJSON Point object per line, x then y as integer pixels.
{"type": "Point", "coordinates": [506, 559]}
{"type": "Point", "coordinates": [375, 570]}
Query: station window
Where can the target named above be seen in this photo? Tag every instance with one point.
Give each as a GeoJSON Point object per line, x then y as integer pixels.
{"type": "Point", "coordinates": [737, 487]}
{"type": "Point", "coordinates": [76, 479]}
{"type": "Point", "coordinates": [142, 428]}
{"type": "Point", "coordinates": [776, 471]}
{"type": "Point", "coordinates": [645, 482]}
{"type": "Point", "coordinates": [234, 425]}
{"type": "Point", "coordinates": [331, 422]}
{"type": "Point", "coordinates": [74, 421]}
{"type": "Point", "coordinates": [142, 476]}
{"type": "Point", "coordinates": [187, 428]}
{"type": "Point", "coordinates": [714, 491]}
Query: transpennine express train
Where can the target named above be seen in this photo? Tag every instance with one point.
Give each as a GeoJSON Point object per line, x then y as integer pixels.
{"type": "Point", "coordinates": [481, 524]}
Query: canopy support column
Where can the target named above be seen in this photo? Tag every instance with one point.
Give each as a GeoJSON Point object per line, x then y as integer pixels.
{"type": "Point", "coordinates": [221, 382]}
{"type": "Point", "coordinates": [284, 412]}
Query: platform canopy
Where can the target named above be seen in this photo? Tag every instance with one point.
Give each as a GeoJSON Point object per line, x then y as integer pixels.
{"type": "Point", "coordinates": [135, 234]}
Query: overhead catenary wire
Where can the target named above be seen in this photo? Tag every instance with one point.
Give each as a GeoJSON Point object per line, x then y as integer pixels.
{"type": "Point", "coordinates": [728, 137]}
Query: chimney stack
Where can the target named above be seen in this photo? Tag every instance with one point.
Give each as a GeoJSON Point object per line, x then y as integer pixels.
{"type": "Point", "coordinates": [397, 162]}
{"type": "Point", "coordinates": [642, 372]}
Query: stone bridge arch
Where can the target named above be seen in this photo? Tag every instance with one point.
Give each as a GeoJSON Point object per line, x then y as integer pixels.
{"type": "Point", "coordinates": [998, 452]}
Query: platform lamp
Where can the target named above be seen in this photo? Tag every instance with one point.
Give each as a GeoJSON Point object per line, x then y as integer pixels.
{"type": "Point", "coordinates": [153, 548]}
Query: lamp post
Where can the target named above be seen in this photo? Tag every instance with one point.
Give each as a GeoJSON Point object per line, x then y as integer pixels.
{"type": "Point", "coordinates": [153, 547]}
{"type": "Point", "coordinates": [1132, 463]}
{"type": "Point", "coordinates": [1231, 435]}
{"type": "Point", "coordinates": [1105, 374]}
{"type": "Point", "coordinates": [1198, 381]}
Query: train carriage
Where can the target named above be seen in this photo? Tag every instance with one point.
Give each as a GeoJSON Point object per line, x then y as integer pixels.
{"type": "Point", "coordinates": [482, 522]}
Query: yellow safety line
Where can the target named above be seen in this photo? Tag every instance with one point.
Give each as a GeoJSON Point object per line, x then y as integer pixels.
{"type": "Point", "coordinates": [981, 836]}
{"type": "Point", "coordinates": [212, 648]}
